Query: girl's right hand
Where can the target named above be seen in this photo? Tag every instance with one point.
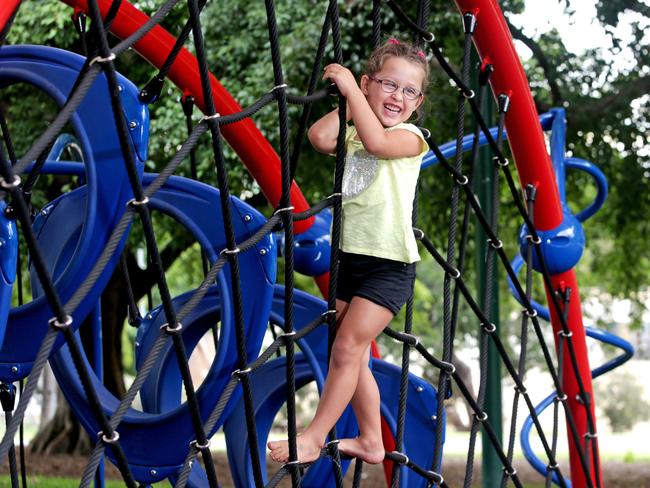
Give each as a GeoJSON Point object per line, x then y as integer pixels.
{"type": "Point", "coordinates": [343, 78]}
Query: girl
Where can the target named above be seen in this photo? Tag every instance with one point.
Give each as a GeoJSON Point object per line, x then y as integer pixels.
{"type": "Point", "coordinates": [378, 249]}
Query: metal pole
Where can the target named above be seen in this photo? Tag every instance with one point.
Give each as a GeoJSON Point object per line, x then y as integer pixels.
{"type": "Point", "coordinates": [491, 465]}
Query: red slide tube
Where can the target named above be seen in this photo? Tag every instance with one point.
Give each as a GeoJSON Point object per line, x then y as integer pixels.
{"type": "Point", "coordinates": [256, 153]}
{"type": "Point", "coordinates": [495, 46]}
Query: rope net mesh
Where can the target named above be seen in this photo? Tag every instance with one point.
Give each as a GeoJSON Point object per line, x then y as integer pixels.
{"type": "Point", "coordinates": [463, 207]}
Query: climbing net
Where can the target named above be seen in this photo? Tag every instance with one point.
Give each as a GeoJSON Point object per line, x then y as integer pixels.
{"type": "Point", "coordinates": [107, 421]}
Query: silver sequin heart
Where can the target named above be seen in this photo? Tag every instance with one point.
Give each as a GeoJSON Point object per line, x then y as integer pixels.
{"type": "Point", "coordinates": [360, 172]}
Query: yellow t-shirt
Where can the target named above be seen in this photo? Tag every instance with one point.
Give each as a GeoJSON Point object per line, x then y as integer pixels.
{"type": "Point", "coordinates": [378, 201]}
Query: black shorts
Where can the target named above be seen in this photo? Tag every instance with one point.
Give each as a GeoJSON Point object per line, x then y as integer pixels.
{"type": "Point", "coordinates": [383, 281]}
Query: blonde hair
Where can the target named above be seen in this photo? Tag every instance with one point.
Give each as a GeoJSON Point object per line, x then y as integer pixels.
{"type": "Point", "coordinates": [398, 49]}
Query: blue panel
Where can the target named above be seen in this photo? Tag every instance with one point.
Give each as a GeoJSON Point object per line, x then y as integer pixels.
{"type": "Point", "coordinates": [8, 258]}
{"type": "Point", "coordinates": [168, 424]}
{"type": "Point", "coordinates": [54, 72]}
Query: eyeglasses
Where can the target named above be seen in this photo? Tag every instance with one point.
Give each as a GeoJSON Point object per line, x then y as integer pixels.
{"type": "Point", "coordinates": [389, 86]}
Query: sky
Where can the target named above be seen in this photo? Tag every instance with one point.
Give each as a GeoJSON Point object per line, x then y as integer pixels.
{"type": "Point", "coordinates": [579, 31]}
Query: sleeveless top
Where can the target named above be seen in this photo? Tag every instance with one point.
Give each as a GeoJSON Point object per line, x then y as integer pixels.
{"type": "Point", "coordinates": [378, 201]}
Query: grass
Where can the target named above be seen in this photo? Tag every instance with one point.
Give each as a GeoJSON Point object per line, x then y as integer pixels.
{"type": "Point", "coordinates": [55, 482]}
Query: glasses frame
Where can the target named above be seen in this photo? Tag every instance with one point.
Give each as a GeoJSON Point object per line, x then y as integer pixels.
{"type": "Point", "coordinates": [386, 86]}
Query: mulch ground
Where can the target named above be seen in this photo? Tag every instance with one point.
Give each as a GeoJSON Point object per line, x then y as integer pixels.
{"type": "Point", "coordinates": [615, 474]}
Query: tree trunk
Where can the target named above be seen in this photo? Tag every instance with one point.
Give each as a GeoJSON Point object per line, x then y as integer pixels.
{"type": "Point", "coordinates": [465, 373]}
{"type": "Point", "coordinates": [62, 434]}
{"type": "Point", "coordinates": [49, 400]}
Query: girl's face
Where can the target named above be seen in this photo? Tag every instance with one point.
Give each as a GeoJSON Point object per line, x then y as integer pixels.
{"type": "Point", "coordinates": [396, 107]}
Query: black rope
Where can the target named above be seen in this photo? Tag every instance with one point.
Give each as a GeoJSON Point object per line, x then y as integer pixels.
{"type": "Point", "coordinates": [485, 323]}
{"type": "Point", "coordinates": [451, 251]}
{"type": "Point", "coordinates": [187, 103]}
{"type": "Point", "coordinates": [376, 23]}
{"type": "Point", "coordinates": [151, 92]}
{"type": "Point", "coordinates": [358, 473]}
{"type": "Point", "coordinates": [521, 370]}
{"type": "Point", "coordinates": [133, 314]}
{"type": "Point", "coordinates": [521, 294]}
{"type": "Point", "coordinates": [8, 399]}
{"type": "Point", "coordinates": [141, 207]}
{"type": "Point", "coordinates": [21, 438]}
{"type": "Point", "coordinates": [487, 303]}
{"type": "Point", "coordinates": [229, 232]}
{"type": "Point", "coordinates": [287, 222]}
{"type": "Point", "coordinates": [313, 80]}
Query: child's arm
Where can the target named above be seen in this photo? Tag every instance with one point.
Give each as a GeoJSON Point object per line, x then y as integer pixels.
{"type": "Point", "coordinates": [324, 132]}
{"type": "Point", "coordinates": [376, 140]}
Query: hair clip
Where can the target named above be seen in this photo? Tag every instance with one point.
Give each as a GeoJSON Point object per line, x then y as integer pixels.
{"type": "Point", "coordinates": [421, 54]}
{"type": "Point", "coordinates": [392, 40]}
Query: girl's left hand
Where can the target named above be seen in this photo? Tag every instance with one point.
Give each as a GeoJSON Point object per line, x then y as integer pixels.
{"type": "Point", "coordinates": [343, 78]}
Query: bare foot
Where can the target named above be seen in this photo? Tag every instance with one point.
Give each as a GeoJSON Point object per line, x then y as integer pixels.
{"type": "Point", "coordinates": [368, 451]}
{"type": "Point", "coordinates": [308, 450]}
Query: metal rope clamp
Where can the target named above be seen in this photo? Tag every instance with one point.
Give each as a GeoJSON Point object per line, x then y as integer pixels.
{"type": "Point", "coordinates": [481, 418]}
{"type": "Point", "coordinates": [496, 245]}
{"type": "Point", "coordinates": [429, 37]}
{"type": "Point", "coordinates": [205, 118]}
{"type": "Point", "coordinates": [419, 233]}
{"type": "Point", "coordinates": [15, 183]}
{"type": "Point", "coordinates": [238, 373]}
{"type": "Point", "coordinates": [409, 339]}
{"type": "Point", "coordinates": [171, 330]}
{"type": "Point", "coordinates": [200, 447]}
{"type": "Point", "coordinates": [435, 477]}
{"type": "Point", "coordinates": [108, 440]}
{"type": "Point", "coordinates": [230, 251]}
{"type": "Point", "coordinates": [448, 368]}
{"type": "Point", "coordinates": [489, 329]}
{"type": "Point", "coordinates": [467, 94]}
{"type": "Point", "coordinates": [533, 240]}
{"type": "Point", "coordinates": [331, 444]}
{"type": "Point", "coordinates": [284, 209]}
{"type": "Point", "coordinates": [529, 314]}
{"type": "Point", "coordinates": [403, 458]}
{"type": "Point", "coordinates": [334, 196]}
{"type": "Point", "coordinates": [133, 203]}
{"type": "Point", "coordinates": [276, 89]}
{"type": "Point", "coordinates": [54, 322]}
{"type": "Point", "coordinates": [99, 59]}
{"type": "Point", "coordinates": [454, 273]}
{"type": "Point", "coordinates": [287, 336]}
{"type": "Point", "coordinates": [500, 161]}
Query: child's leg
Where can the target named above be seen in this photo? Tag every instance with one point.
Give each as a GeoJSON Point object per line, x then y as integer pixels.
{"type": "Point", "coordinates": [363, 321]}
{"type": "Point", "coordinates": [369, 445]}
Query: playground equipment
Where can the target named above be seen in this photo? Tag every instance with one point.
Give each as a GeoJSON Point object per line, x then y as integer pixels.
{"type": "Point", "coordinates": [89, 225]}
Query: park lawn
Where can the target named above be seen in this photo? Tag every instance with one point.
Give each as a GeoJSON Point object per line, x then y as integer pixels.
{"type": "Point", "coordinates": [55, 482]}
{"type": "Point", "coordinates": [38, 481]}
